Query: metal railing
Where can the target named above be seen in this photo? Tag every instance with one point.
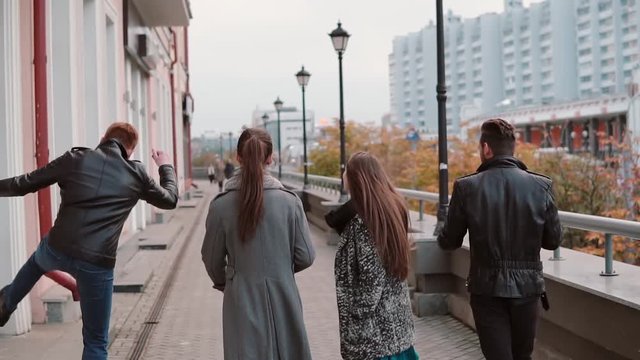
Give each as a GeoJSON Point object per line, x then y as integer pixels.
{"type": "Point", "coordinates": [608, 226]}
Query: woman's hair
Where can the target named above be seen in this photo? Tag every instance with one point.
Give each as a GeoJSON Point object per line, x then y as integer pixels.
{"type": "Point", "coordinates": [254, 149]}
{"type": "Point", "coordinates": [383, 210]}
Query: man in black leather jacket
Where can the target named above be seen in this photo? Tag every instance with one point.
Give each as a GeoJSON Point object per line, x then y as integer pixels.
{"type": "Point", "coordinates": [98, 189]}
{"type": "Point", "coordinates": [510, 214]}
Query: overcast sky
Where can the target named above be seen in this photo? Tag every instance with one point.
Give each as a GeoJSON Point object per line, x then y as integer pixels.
{"type": "Point", "coordinates": [244, 53]}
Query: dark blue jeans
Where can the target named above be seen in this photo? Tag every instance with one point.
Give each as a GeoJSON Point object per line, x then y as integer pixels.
{"type": "Point", "coordinates": [95, 285]}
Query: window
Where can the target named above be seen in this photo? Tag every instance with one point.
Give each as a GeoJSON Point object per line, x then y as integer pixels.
{"type": "Point", "coordinates": [526, 53]}
{"type": "Point", "coordinates": [584, 52]}
{"type": "Point", "coordinates": [585, 79]}
{"type": "Point", "coordinates": [586, 64]}
{"type": "Point", "coordinates": [583, 26]}
{"type": "Point", "coordinates": [546, 74]}
{"type": "Point", "coordinates": [606, 34]}
{"type": "Point", "coordinates": [604, 6]}
{"type": "Point", "coordinates": [526, 90]}
{"type": "Point", "coordinates": [607, 62]}
{"type": "Point", "coordinates": [546, 36]}
{"type": "Point", "coordinates": [526, 77]}
{"type": "Point", "coordinates": [606, 21]}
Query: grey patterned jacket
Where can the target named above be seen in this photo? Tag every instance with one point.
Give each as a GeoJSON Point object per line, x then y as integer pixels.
{"type": "Point", "coordinates": [374, 309]}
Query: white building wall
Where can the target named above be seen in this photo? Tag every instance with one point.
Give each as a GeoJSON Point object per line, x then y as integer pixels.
{"type": "Point", "coordinates": [13, 247]}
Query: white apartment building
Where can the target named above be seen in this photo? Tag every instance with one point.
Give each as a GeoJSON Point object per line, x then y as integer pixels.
{"type": "Point", "coordinates": [553, 51]}
{"type": "Point", "coordinates": [290, 131]}
{"type": "Point", "coordinates": [607, 45]}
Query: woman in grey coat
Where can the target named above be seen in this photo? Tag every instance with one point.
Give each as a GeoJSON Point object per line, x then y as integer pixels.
{"type": "Point", "coordinates": [257, 237]}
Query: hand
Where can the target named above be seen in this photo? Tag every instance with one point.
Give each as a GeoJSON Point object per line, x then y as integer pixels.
{"type": "Point", "coordinates": [160, 157]}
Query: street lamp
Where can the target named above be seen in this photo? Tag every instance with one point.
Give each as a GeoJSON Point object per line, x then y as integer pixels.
{"type": "Point", "coordinates": [441, 90]}
{"type": "Point", "coordinates": [340, 38]}
{"type": "Point", "coordinates": [265, 118]}
{"type": "Point", "coordinates": [230, 145]}
{"type": "Point", "coordinates": [303, 80]}
{"type": "Point", "coordinates": [278, 105]}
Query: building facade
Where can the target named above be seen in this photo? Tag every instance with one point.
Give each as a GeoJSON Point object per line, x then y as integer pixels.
{"type": "Point", "coordinates": [554, 51]}
{"type": "Point", "coordinates": [68, 69]}
{"type": "Point", "coordinates": [291, 133]}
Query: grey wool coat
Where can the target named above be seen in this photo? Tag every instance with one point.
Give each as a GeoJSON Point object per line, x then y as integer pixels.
{"type": "Point", "coordinates": [262, 310]}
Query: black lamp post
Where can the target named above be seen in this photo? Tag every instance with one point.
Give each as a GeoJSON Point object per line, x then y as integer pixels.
{"type": "Point", "coordinates": [303, 80]}
{"type": "Point", "coordinates": [441, 90]}
{"type": "Point", "coordinates": [278, 105]}
{"type": "Point", "coordinates": [340, 37]}
{"type": "Point", "coordinates": [230, 145]}
{"type": "Point", "coordinates": [265, 118]}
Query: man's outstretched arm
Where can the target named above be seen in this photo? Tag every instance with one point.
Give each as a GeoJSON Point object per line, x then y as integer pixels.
{"type": "Point", "coordinates": [165, 195]}
{"type": "Point", "coordinates": [37, 179]}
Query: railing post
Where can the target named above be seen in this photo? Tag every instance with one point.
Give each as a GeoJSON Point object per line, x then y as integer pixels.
{"type": "Point", "coordinates": [556, 255]}
{"type": "Point", "coordinates": [421, 210]}
{"type": "Point", "coordinates": [608, 256]}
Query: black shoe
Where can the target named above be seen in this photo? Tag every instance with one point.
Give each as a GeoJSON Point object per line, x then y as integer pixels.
{"type": "Point", "coordinates": [4, 313]}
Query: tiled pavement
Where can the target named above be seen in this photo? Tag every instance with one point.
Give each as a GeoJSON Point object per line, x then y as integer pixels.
{"type": "Point", "coordinates": [190, 325]}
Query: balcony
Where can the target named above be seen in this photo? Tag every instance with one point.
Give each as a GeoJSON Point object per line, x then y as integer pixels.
{"type": "Point", "coordinates": [164, 12]}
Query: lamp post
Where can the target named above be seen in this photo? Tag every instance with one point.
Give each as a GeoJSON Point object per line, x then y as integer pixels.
{"type": "Point", "coordinates": [230, 145]}
{"type": "Point", "coordinates": [441, 90]}
{"type": "Point", "coordinates": [340, 38]}
{"type": "Point", "coordinates": [278, 105]}
{"type": "Point", "coordinates": [265, 118]}
{"type": "Point", "coordinates": [303, 80]}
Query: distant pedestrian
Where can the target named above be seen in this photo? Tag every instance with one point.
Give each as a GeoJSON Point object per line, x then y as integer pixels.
{"type": "Point", "coordinates": [510, 213]}
{"type": "Point", "coordinates": [229, 169]}
{"type": "Point", "coordinates": [256, 238]}
{"type": "Point", "coordinates": [219, 174]}
{"type": "Point", "coordinates": [211, 173]}
{"type": "Point", "coordinates": [99, 188]}
{"type": "Point", "coordinates": [371, 266]}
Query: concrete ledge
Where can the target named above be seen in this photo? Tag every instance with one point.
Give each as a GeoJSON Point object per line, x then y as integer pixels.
{"type": "Point", "coordinates": [135, 275]}
{"type": "Point", "coordinates": [187, 203]}
{"type": "Point", "coordinates": [159, 236]}
{"type": "Point", "coordinates": [59, 305]}
{"type": "Point", "coordinates": [430, 304]}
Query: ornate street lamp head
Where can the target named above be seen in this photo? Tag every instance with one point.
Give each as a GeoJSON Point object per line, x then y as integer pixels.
{"type": "Point", "coordinates": [265, 117]}
{"type": "Point", "coordinates": [303, 77]}
{"type": "Point", "coordinates": [340, 38]}
{"type": "Point", "coordinates": [278, 104]}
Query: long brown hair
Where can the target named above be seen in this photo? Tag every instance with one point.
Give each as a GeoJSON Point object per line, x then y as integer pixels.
{"type": "Point", "coordinates": [383, 211]}
{"type": "Point", "coordinates": [254, 149]}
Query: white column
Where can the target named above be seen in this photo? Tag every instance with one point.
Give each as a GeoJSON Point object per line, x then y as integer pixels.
{"type": "Point", "coordinates": [13, 246]}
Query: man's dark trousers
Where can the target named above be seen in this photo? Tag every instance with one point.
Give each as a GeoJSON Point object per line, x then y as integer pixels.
{"type": "Point", "coordinates": [95, 285]}
{"type": "Point", "coordinates": [506, 327]}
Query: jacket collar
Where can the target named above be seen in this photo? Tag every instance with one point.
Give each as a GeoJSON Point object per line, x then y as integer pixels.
{"type": "Point", "coordinates": [502, 161]}
{"type": "Point", "coordinates": [114, 143]}
{"type": "Point", "coordinates": [269, 181]}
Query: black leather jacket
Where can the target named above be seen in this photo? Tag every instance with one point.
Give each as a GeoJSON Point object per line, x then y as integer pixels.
{"type": "Point", "coordinates": [510, 214]}
{"type": "Point", "coordinates": [98, 189]}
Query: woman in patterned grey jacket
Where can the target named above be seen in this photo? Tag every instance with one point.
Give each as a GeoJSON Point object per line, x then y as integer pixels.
{"type": "Point", "coordinates": [371, 266]}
